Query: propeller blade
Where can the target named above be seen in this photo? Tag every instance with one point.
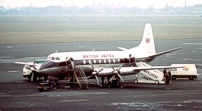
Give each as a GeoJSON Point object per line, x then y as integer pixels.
{"type": "Point", "coordinates": [112, 78]}
{"type": "Point", "coordinates": [97, 80]}
{"type": "Point", "coordinates": [120, 77]}
{"type": "Point", "coordinates": [34, 65]}
{"type": "Point", "coordinates": [113, 68]}
{"type": "Point", "coordinates": [100, 70]}
{"type": "Point", "coordinates": [90, 76]}
{"type": "Point", "coordinates": [34, 68]}
{"type": "Point", "coordinates": [91, 65]}
{"type": "Point", "coordinates": [120, 66]}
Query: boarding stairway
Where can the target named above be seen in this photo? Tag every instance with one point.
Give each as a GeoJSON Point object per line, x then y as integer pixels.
{"type": "Point", "coordinates": [149, 76]}
{"type": "Point", "coordinates": [80, 78]}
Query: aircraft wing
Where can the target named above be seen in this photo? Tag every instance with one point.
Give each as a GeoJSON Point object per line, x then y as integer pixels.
{"type": "Point", "coordinates": [155, 67]}
{"type": "Point", "coordinates": [130, 70]}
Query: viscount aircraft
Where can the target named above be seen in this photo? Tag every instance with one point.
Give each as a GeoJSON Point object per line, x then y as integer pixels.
{"type": "Point", "coordinates": [105, 64]}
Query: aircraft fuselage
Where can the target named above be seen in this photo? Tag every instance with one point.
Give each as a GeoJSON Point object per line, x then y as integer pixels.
{"type": "Point", "coordinates": [59, 64]}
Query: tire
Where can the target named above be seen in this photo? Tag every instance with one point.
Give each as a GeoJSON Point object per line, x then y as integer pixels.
{"type": "Point", "coordinates": [173, 78]}
{"type": "Point", "coordinates": [136, 81]}
{"type": "Point", "coordinates": [156, 82]}
{"type": "Point", "coordinates": [191, 78]}
{"type": "Point", "coordinates": [41, 89]}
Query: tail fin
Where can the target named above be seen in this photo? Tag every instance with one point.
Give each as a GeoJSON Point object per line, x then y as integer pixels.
{"type": "Point", "coordinates": [147, 42]}
{"type": "Point", "coordinates": [146, 49]}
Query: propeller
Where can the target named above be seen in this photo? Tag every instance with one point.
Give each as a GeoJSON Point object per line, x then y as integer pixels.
{"type": "Point", "coordinates": [34, 65]}
{"type": "Point", "coordinates": [95, 73]}
{"type": "Point", "coordinates": [117, 71]}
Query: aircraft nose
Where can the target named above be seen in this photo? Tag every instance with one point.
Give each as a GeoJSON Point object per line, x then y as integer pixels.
{"type": "Point", "coordinates": [41, 68]}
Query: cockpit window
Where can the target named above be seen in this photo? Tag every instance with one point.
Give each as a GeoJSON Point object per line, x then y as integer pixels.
{"type": "Point", "coordinates": [53, 58]}
{"type": "Point", "coordinates": [57, 58]}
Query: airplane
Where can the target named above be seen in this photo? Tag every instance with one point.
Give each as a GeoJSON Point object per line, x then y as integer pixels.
{"type": "Point", "coordinates": [105, 64]}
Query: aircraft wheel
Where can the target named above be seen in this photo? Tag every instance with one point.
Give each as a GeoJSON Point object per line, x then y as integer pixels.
{"type": "Point", "coordinates": [136, 81]}
{"type": "Point", "coordinates": [156, 82]}
{"type": "Point", "coordinates": [41, 89]}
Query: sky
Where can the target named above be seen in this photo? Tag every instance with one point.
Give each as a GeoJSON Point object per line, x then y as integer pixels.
{"type": "Point", "coordinates": [83, 3]}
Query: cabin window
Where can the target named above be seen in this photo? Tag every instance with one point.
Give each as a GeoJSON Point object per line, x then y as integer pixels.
{"type": "Point", "coordinates": [84, 62]}
{"type": "Point", "coordinates": [121, 61]}
{"type": "Point", "coordinates": [109, 60]}
{"type": "Point", "coordinates": [104, 61]}
{"type": "Point", "coordinates": [114, 60]}
{"type": "Point", "coordinates": [57, 58]}
{"type": "Point", "coordinates": [89, 61]}
{"type": "Point", "coordinates": [126, 60]}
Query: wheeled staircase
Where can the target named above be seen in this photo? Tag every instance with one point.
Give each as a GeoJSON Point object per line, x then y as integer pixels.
{"type": "Point", "coordinates": [80, 78]}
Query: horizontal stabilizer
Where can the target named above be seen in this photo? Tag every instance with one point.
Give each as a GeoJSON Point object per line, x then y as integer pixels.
{"type": "Point", "coordinates": [164, 52]}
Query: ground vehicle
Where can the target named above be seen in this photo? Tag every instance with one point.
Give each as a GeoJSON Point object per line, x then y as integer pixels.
{"type": "Point", "coordinates": [189, 71]}
{"type": "Point", "coordinates": [29, 67]}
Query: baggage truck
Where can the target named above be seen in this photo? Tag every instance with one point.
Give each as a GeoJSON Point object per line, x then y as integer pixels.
{"type": "Point", "coordinates": [188, 71]}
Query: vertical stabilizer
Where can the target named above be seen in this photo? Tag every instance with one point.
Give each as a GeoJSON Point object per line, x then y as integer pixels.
{"type": "Point", "coordinates": [147, 44]}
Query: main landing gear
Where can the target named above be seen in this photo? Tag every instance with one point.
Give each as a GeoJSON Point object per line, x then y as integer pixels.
{"type": "Point", "coordinates": [113, 83]}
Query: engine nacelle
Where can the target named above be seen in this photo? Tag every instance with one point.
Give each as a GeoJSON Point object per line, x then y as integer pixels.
{"type": "Point", "coordinates": [123, 71]}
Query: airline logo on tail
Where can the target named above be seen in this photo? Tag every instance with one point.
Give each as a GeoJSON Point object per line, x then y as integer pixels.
{"type": "Point", "coordinates": [147, 40]}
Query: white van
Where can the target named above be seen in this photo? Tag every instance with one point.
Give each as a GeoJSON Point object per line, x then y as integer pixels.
{"type": "Point", "coordinates": [189, 71]}
{"type": "Point", "coordinates": [28, 69]}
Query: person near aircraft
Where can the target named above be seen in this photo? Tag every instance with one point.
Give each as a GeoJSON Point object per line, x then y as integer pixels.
{"type": "Point", "coordinates": [166, 76]}
{"type": "Point", "coordinates": [170, 76]}
{"type": "Point", "coordinates": [164, 72]}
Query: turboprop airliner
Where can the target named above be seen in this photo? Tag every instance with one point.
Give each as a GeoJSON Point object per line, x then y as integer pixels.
{"type": "Point", "coordinates": [105, 63]}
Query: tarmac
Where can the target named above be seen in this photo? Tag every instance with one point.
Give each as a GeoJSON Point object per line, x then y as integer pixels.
{"type": "Point", "coordinates": [17, 94]}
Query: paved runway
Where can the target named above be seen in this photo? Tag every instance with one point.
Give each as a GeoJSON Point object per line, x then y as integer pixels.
{"type": "Point", "coordinates": [19, 94]}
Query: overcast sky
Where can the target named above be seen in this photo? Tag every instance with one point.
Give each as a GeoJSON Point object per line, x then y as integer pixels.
{"type": "Point", "coordinates": [82, 3]}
